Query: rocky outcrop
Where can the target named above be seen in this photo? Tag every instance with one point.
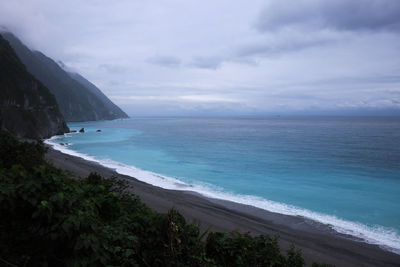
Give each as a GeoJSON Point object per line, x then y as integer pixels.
{"type": "Point", "coordinates": [78, 99]}
{"type": "Point", "coordinates": [27, 108]}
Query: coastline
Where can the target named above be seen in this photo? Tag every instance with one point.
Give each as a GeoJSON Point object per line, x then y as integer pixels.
{"type": "Point", "coordinates": [317, 241]}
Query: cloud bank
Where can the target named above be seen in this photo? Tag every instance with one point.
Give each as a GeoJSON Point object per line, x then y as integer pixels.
{"type": "Point", "coordinates": [223, 57]}
{"type": "Point", "coordinates": [340, 15]}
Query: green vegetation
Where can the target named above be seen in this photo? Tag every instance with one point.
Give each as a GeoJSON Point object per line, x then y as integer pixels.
{"type": "Point", "coordinates": [52, 219]}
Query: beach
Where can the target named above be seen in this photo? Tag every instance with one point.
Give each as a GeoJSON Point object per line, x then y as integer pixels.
{"type": "Point", "coordinates": [317, 241]}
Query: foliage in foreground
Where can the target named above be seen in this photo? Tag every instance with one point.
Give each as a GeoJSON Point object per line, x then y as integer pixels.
{"type": "Point", "coordinates": [50, 219]}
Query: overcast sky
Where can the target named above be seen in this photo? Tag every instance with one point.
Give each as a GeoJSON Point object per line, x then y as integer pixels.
{"type": "Point", "coordinates": [224, 57]}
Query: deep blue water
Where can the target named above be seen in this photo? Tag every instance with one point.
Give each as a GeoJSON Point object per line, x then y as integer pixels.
{"type": "Point", "coordinates": [341, 171]}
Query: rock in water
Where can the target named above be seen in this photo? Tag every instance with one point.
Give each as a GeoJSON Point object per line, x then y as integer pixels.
{"type": "Point", "coordinates": [82, 130]}
{"type": "Point", "coordinates": [98, 131]}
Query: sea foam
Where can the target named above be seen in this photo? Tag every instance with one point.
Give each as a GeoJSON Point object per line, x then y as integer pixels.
{"type": "Point", "coordinates": [386, 238]}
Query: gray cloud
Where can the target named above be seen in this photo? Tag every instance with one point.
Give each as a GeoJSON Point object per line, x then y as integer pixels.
{"type": "Point", "coordinates": [341, 15]}
{"type": "Point", "coordinates": [268, 49]}
{"type": "Point", "coordinates": [244, 54]}
{"type": "Point", "coordinates": [111, 68]}
{"type": "Point", "coordinates": [165, 61]}
{"type": "Point", "coordinates": [206, 62]}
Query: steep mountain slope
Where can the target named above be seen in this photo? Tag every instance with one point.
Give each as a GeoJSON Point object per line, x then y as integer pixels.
{"type": "Point", "coordinates": [76, 101]}
{"type": "Point", "coordinates": [95, 90]}
{"type": "Point", "coordinates": [27, 108]}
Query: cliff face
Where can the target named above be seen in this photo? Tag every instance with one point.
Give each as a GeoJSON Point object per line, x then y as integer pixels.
{"type": "Point", "coordinates": [113, 109]}
{"type": "Point", "coordinates": [78, 99]}
{"type": "Point", "coordinates": [27, 108]}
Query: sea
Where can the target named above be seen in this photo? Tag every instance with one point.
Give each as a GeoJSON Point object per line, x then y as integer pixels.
{"type": "Point", "coordinates": [340, 171]}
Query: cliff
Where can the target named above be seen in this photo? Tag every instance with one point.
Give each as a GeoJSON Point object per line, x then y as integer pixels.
{"type": "Point", "coordinates": [78, 99]}
{"type": "Point", "coordinates": [27, 108]}
{"type": "Point", "coordinates": [113, 109]}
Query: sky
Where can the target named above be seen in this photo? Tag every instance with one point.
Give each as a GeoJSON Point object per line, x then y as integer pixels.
{"type": "Point", "coordinates": [224, 57]}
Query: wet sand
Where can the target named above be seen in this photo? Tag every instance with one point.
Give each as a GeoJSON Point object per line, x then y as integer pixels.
{"type": "Point", "coordinates": [317, 241]}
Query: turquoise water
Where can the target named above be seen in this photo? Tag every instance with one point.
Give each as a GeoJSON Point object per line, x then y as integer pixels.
{"type": "Point", "coordinates": [340, 171]}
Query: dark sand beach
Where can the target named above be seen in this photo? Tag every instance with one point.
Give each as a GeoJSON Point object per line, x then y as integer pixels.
{"type": "Point", "coordinates": [318, 242]}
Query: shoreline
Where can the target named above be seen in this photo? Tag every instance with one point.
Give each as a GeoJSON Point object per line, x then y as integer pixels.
{"type": "Point", "coordinates": [384, 238]}
{"type": "Point", "coordinates": [318, 241]}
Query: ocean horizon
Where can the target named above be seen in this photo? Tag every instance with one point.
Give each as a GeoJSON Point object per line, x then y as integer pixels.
{"type": "Point", "coordinates": [340, 171]}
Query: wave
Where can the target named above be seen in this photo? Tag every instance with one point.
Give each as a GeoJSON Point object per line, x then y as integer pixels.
{"type": "Point", "coordinates": [386, 238]}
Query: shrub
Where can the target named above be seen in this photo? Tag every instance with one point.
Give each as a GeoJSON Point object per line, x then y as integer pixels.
{"type": "Point", "coordinates": [12, 152]}
{"type": "Point", "coordinates": [50, 219]}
